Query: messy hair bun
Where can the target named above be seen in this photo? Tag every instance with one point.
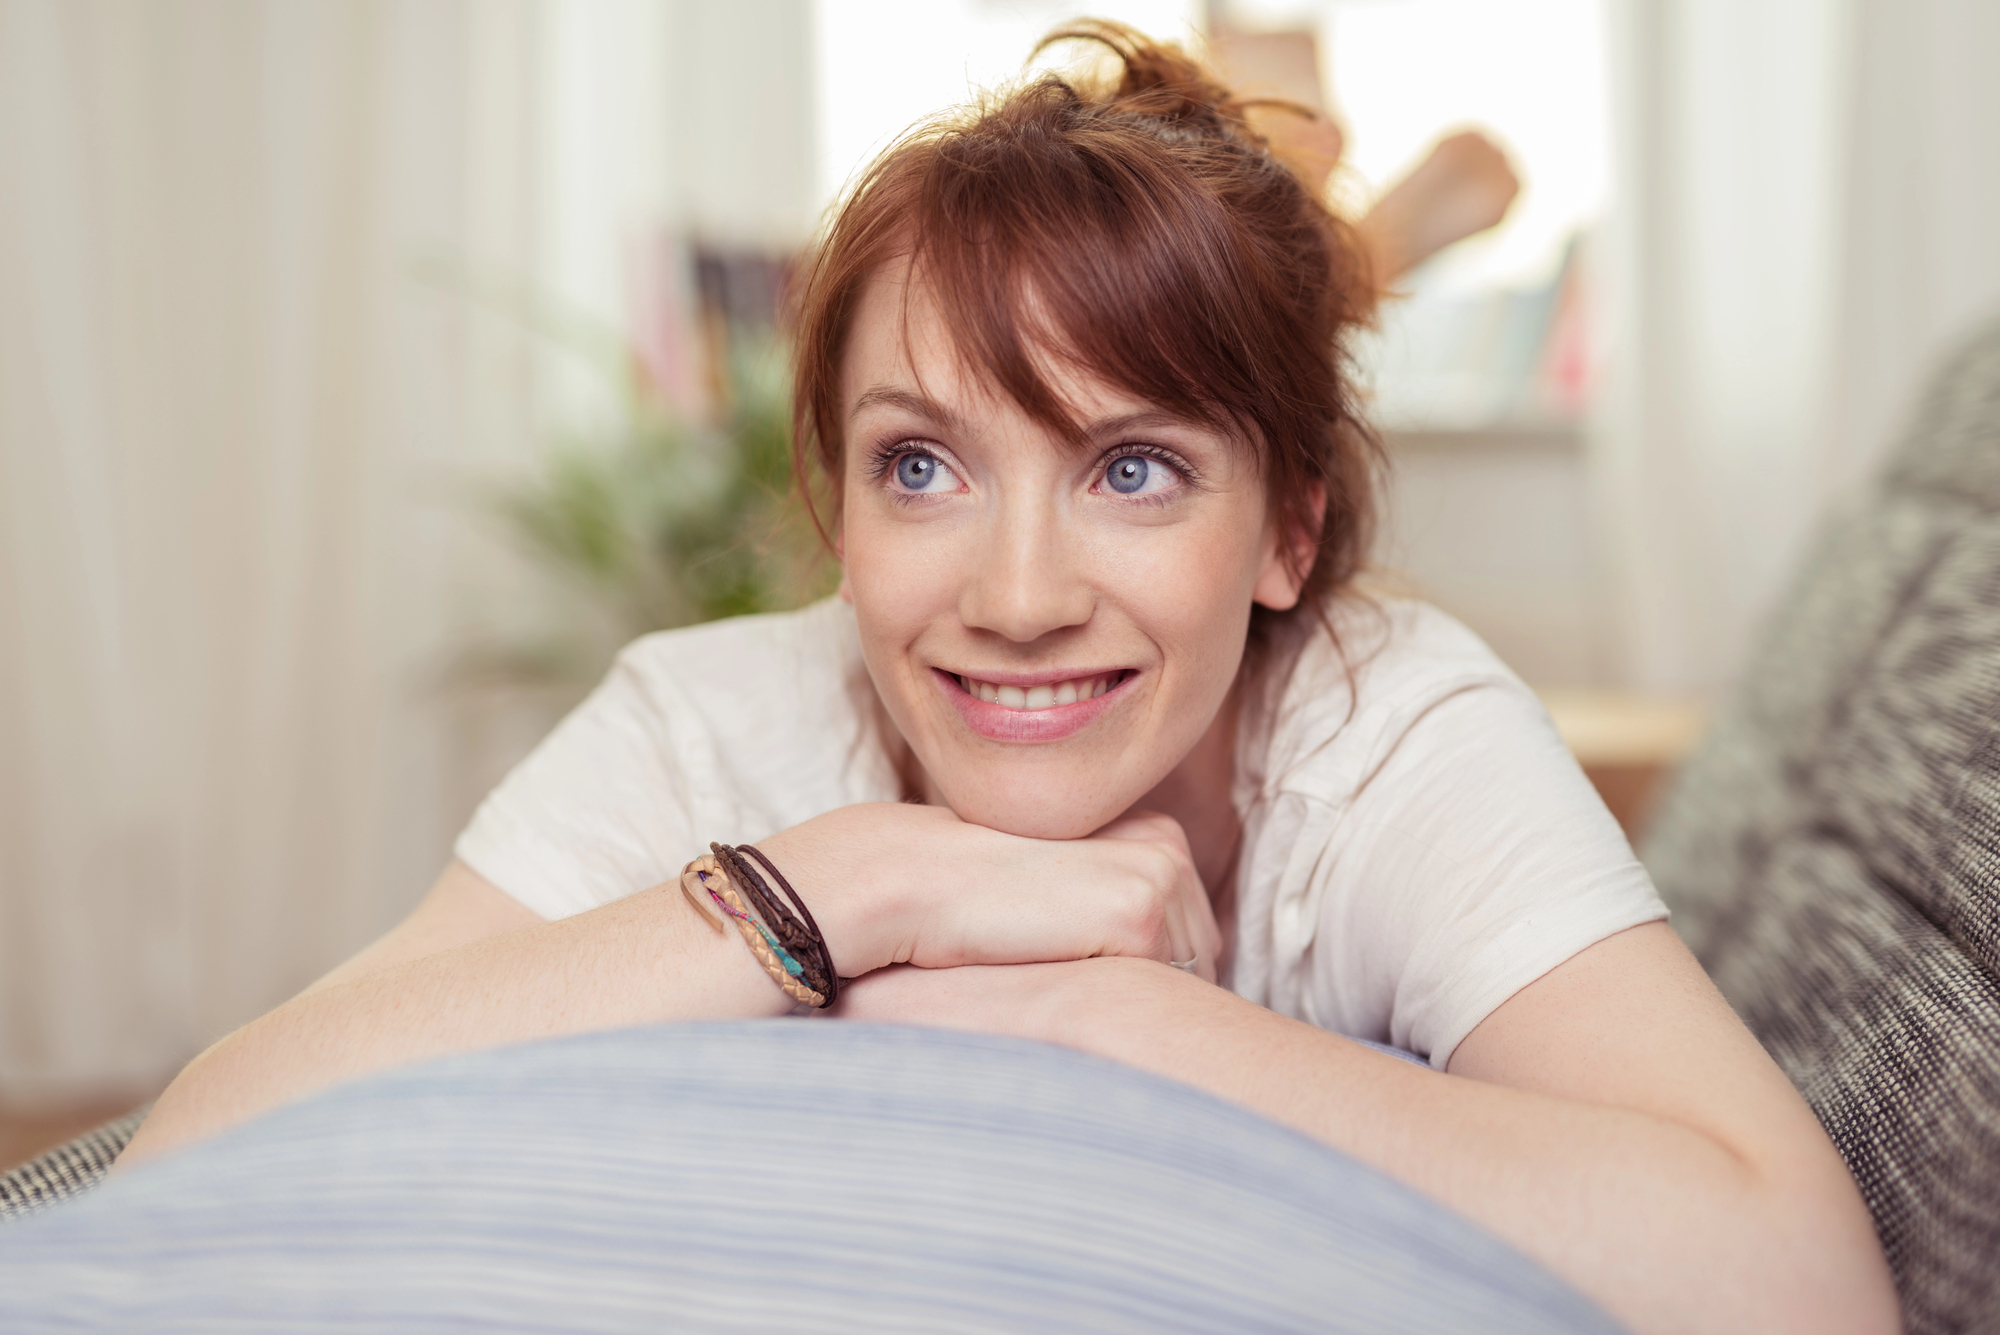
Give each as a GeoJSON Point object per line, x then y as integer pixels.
{"type": "Point", "coordinates": [1153, 79]}
{"type": "Point", "coordinates": [1132, 222]}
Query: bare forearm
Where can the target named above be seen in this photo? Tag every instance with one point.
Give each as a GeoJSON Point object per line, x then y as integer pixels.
{"type": "Point", "coordinates": [472, 968]}
{"type": "Point", "coordinates": [643, 959]}
{"type": "Point", "coordinates": [1667, 1228]}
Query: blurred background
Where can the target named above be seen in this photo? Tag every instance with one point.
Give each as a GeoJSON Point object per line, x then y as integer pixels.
{"type": "Point", "coordinates": [369, 371]}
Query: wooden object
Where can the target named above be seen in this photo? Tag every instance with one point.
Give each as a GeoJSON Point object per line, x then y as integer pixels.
{"type": "Point", "coordinates": [1628, 743]}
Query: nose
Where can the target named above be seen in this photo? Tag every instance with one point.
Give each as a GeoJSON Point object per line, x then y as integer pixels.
{"type": "Point", "coordinates": [1027, 579]}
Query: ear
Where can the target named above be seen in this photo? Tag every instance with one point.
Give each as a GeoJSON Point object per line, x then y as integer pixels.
{"type": "Point", "coordinates": [840, 555]}
{"type": "Point", "coordinates": [1288, 557]}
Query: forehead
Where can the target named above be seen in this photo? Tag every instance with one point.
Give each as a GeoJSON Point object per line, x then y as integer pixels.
{"type": "Point", "coordinates": [900, 349]}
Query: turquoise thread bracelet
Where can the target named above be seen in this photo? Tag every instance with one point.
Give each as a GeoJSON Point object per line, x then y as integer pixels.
{"type": "Point", "coordinates": [792, 966]}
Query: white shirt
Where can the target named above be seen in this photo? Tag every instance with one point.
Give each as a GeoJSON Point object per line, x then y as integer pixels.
{"type": "Point", "coordinates": [1418, 843]}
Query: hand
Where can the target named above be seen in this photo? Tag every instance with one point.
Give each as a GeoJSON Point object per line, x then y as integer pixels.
{"type": "Point", "coordinates": [901, 884]}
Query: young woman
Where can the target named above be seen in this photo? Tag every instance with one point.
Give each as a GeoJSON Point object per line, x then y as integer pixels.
{"type": "Point", "coordinates": [1097, 699]}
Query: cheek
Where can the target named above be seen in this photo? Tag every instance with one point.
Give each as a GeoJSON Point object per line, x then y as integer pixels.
{"type": "Point", "coordinates": [1195, 584]}
{"type": "Point", "coordinates": [1194, 602]}
{"type": "Point", "coordinates": [901, 576]}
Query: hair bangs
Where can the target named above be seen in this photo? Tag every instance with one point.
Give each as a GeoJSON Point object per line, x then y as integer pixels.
{"type": "Point", "coordinates": [1038, 274]}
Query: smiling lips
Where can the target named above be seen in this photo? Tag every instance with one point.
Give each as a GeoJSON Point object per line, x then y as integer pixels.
{"type": "Point", "coordinates": [1033, 711]}
{"type": "Point", "coordinates": [1040, 697]}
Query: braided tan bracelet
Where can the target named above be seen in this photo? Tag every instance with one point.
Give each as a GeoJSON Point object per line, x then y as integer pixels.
{"type": "Point", "coordinates": [694, 892]}
{"type": "Point", "coordinates": [706, 873]}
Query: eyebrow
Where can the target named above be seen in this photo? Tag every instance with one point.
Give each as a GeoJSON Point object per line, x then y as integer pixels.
{"type": "Point", "coordinates": [1143, 420]}
{"type": "Point", "coordinates": [922, 405]}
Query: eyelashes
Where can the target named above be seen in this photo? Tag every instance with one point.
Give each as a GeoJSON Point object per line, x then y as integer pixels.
{"type": "Point", "coordinates": [1157, 453]}
{"type": "Point", "coordinates": [883, 456]}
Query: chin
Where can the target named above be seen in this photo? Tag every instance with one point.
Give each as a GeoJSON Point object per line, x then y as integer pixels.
{"type": "Point", "coordinates": [1035, 810]}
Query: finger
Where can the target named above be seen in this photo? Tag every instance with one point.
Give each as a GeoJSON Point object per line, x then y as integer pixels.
{"type": "Point", "coordinates": [1202, 936]}
{"type": "Point", "coordinates": [1182, 945]}
{"type": "Point", "coordinates": [1197, 937]}
{"type": "Point", "coordinates": [1203, 939]}
{"type": "Point", "coordinates": [1207, 932]}
{"type": "Point", "coordinates": [1187, 915]}
{"type": "Point", "coordinates": [1168, 903]}
{"type": "Point", "coordinates": [1142, 916]}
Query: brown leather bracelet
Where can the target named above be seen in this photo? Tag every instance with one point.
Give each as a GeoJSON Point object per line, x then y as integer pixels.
{"type": "Point", "coordinates": [818, 938]}
{"type": "Point", "coordinates": [804, 943]}
{"type": "Point", "coordinates": [725, 893]}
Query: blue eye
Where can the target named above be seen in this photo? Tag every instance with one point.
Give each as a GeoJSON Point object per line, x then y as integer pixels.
{"type": "Point", "coordinates": [1128, 475]}
{"type": "Point", "coordinates": [1136, 475]}
{"type": "Point", "coordinates": [921, 472]}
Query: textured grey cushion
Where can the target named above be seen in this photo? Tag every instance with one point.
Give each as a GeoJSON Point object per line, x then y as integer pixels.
{"type": "Point", "coordinates": [67, 1169]}
{"type": "Point", "coordinates": [1832, 853]}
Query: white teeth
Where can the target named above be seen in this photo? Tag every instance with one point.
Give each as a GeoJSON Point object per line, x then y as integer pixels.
{"type": "Point", "coordinates": [1039, 697]}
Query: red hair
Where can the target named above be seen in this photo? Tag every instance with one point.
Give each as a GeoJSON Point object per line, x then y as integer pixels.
{"type": "Point", "coordinates": [1143, 232]}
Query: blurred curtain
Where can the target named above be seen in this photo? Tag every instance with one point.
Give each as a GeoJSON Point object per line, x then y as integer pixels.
{"type": "Point", "coordinates": [236, 432]}
{"type": "Point", "coordinates": [1807, 196]}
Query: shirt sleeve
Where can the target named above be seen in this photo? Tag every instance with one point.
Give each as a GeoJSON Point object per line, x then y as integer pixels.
{"type": "Point", "coordinates": [1474, 858]}
{"type": "Point", "coordinates": [601, 809]}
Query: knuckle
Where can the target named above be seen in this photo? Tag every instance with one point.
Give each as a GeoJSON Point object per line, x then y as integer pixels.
{"type": "Point", "coordinates": [1137, 900]}
{"type": "Point", "coordinates": [1163, 866]}
{"type": "Point", "coordinates": [1141, 911]}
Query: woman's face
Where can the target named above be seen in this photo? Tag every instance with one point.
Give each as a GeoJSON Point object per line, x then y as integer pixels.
{"type": "Point", "coordinates": [1052, 631]}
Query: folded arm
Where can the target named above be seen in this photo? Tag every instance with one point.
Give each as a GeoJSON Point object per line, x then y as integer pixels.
{"type": "Point", "coordinates": [472, 968]}
{"type": "Point", "coordinates": [1612, 1120]}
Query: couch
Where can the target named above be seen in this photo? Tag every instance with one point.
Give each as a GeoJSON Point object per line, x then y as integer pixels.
{"type": "Point", "coordinates": [1832, 852]}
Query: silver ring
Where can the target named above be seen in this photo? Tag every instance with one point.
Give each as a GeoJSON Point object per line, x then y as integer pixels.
{"type": "Point", "coordinates": [1186, 966]}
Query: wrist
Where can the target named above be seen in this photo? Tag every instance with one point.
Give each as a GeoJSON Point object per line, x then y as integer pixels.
{"type": "Point", "coordinates": [860, 906]}
{"type": "Point", "coordinates": [727, 981]}
{"type": "Point", "coordinates": [1090, 1001]}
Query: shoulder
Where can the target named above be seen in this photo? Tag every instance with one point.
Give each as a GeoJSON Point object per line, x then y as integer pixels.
{"type": "Point", "coordinates": [765, 701]}
{"type": "Point", "coordinates": [1421, 844]}
{"type": "Point", "coordinates": [722, 685]}
{"type": "Point", "coordinates": [807, 651]}
{"type": "Point", "coordinates": [727, 730]}
{"type": "Point", "coordinates": [1344, 693]}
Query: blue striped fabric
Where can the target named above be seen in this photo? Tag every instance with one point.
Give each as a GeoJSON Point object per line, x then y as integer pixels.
{"type": "Point", "coordinates": [767, 1176]}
